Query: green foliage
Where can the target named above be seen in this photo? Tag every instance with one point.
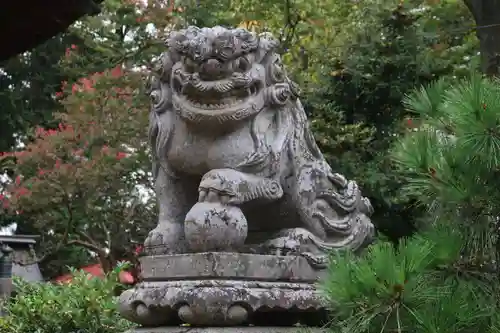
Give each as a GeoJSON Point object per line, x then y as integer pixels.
{"type": "Point", "coordinates": [388, 49]}
{"type": "Point", "coordinates": [85, 305]}
{"type": "Point", "coordinates": [418, 286]}
{"type": "Point", "coordinates": [451, 161]}
{"type": "Point", "coordinates": [444, 279]}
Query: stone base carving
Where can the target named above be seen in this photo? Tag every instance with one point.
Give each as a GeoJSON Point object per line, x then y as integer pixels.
{"type": "Point", "coordinates": [228, 330]}
{"type": "Point", "coordinates": [224, 289]}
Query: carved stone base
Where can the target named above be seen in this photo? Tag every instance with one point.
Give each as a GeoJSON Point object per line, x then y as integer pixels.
{"type": "Point", "coordinates": [228, 330]}
{"type": "Point", "coordinates": [224, 289]}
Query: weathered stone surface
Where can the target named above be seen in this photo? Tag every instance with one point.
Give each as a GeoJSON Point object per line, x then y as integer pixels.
{"type": "Point", "coordinates": [228, 330]}
{"type": "Point", "coordinates": [222, 303]}
{"type": "Point", "coordinates": [237, 169]}
{"type": "Point", "coordinates": [220, 265]}
{"type": "Point", "coordinates": [228, 130]}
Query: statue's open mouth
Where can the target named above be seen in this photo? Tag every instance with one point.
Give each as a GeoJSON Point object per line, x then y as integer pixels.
{"type": "Point", "coordinates": [209, 98]}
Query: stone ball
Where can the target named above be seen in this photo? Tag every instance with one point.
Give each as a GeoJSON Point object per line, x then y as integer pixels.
{"type": "Point", "coordinates": [213, 226]}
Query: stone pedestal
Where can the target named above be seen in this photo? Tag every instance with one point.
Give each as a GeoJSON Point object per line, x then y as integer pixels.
{"type": "Point", "coordinates": [224, 289]}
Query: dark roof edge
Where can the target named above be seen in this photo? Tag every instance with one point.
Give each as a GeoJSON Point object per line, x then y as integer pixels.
{"type": "Point", "coordinates": [19, 239]}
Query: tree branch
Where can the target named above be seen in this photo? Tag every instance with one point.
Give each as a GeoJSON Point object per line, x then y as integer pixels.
{"type": "Point", "coordinates": [290, 25]}
{"type": "Point", "coordinates": [87, 239]}
{"type": "Point", "coordinates": [475, 7]}
{"type": "Point", "coordinates": [86, 245]}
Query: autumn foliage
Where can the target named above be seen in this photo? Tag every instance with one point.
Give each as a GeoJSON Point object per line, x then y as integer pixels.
{"type": "Point", "coordinates": [85, 173]}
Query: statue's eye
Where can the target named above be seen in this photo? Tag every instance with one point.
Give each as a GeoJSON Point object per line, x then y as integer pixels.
{"type": "Point", "coordinates": [242, 64]}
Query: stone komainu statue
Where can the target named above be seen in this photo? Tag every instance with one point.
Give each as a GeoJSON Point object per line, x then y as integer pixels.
{"type": "Point", "coordinates": [231, 144]}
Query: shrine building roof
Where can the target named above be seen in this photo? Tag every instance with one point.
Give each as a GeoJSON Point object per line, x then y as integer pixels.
{"type": "Point", "coordinates": [24, 24]}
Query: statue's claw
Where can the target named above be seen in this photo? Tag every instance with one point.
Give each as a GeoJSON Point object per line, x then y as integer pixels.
{"type": "Point", "coordinates": [166, 238]}
{"type": "Point", "coordinates": [212, 195]}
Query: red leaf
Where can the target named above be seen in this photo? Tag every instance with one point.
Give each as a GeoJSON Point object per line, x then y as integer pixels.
{"type": "Point", "coordinates": [126, 277]}
{"type": "Point", "coordinates": [117, 71]}
{"type": "Point", "coordinates": [87, 84]}
{"type": "Point", "coordinates": [22, 191]}
{"type": "Point", "coordinates": [120, 155]}
{"type": "Point", "coordinates": [138, 249]}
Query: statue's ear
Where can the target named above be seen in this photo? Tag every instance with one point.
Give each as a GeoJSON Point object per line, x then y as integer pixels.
{"type": "Point", "coordinates": [167, 61]}
{"type": "Point", "coordinates": [267, 45]}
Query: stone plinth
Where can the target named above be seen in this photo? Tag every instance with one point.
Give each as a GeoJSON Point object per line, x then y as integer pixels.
{"type": "Point", "coordinates": [223, 265]}
{"type": "Point", "coordinates": [224, 289]}
{"type": "Point", "coordinates": [228, 330]}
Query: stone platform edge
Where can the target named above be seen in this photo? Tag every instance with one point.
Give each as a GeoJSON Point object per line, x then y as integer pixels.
{"type": "Point", "coordinates": [254, 329]}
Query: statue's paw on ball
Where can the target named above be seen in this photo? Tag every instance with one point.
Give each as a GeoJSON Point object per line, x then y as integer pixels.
{"type": "Point", "coordinates": [213, 226]}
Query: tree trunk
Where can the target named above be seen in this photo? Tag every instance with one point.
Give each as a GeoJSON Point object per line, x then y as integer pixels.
{"type": "Point", "coordinates": [487, 16]}
{"type": "Point", "coordinates": [107, 263]}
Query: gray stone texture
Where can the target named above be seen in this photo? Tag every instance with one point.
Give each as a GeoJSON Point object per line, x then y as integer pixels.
{"type": "Point", "coordinates": [228, 330]}
{"type": "Point", "coordinates": [234, 155]}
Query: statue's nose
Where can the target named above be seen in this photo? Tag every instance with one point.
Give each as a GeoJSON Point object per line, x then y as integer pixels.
{"type": "Point", "coordinates": [212, 67]}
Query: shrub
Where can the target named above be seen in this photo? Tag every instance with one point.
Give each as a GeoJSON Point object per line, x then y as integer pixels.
{"type": "Point", "coordinates": [86, 305]}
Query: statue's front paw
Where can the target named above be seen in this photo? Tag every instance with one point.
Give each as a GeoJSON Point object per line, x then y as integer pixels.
{"type": "Point", "coordinates": [165, 239]}
{"type": "Point", "coordinates": [228, 186]}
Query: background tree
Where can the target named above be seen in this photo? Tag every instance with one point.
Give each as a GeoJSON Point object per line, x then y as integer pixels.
{"type": "Point", "coordinates": [77, 185]}
{"type": "Point", "coordinates": [27, 86]}
{"type": "Point", "coordinates": [392, 48]}
{"type": "Point", "coordinates": [486, 14]}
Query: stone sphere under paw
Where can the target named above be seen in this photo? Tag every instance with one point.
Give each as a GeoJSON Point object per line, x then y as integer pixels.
{"type": "Point", "coordinates": [215, 227]}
